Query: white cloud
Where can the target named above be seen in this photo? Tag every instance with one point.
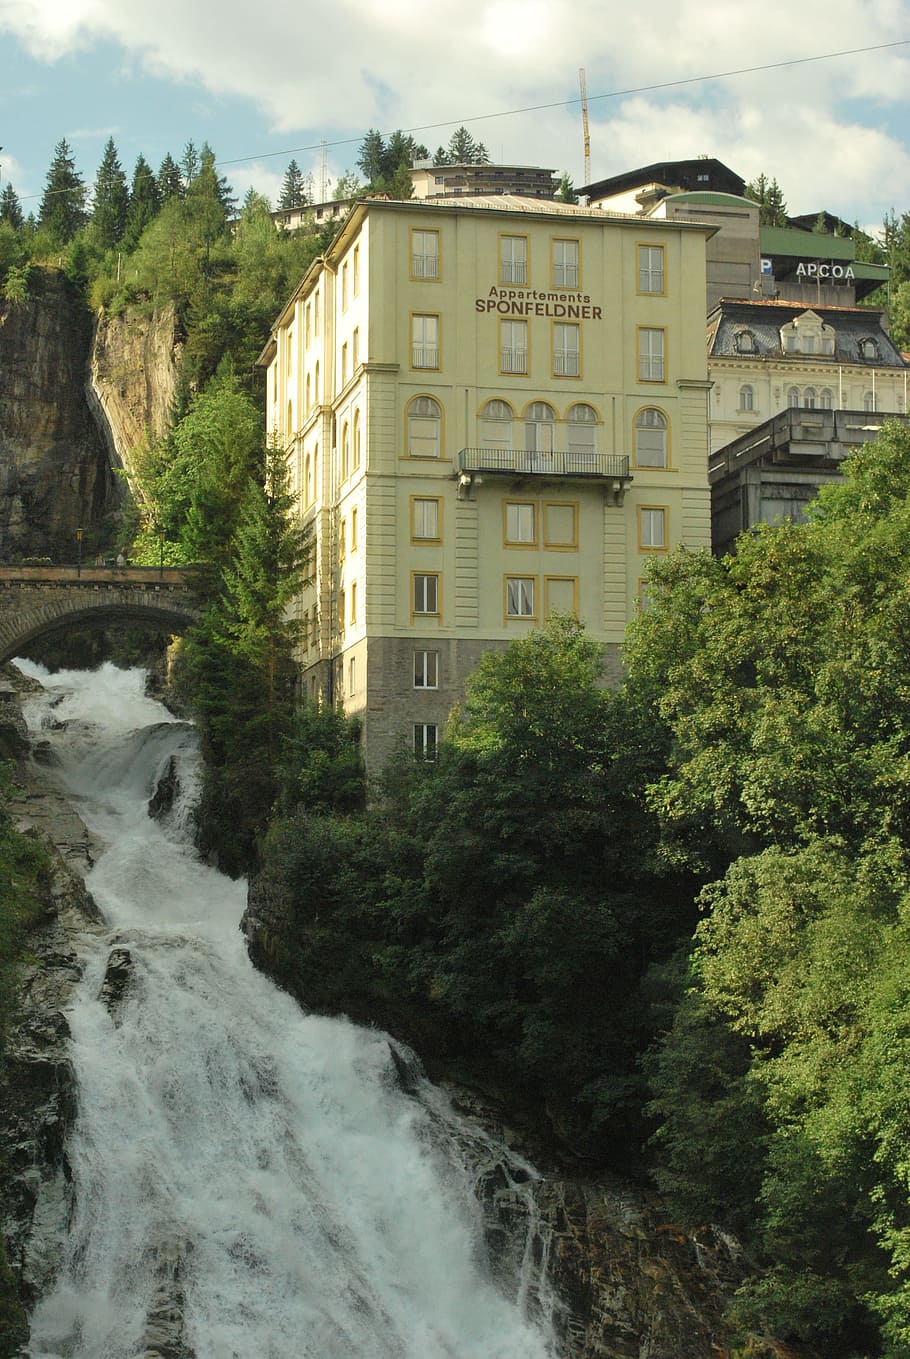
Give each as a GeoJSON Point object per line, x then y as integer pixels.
{"type": "Point", "coordinates": [815, 126]}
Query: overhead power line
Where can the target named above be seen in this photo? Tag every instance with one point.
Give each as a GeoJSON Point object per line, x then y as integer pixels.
{"type": "Point", "coordinates": [652, 88]}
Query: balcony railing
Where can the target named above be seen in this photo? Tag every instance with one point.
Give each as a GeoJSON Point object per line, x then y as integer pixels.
{"type": "Point", "coordinates": [530, 462]}
{"type": "Point", "coordinates": [425, 266]}
{"type": "Point", "coordinates": [514, 360]}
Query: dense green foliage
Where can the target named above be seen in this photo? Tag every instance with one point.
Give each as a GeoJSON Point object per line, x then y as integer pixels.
{"type": "Point", "coordinates": [503, 904]}
{"type": "Point", "coordinates": [218, 500]}
{"type": "Point", "coordinates": [23, 865]}
{"type": "Point", "coordinates": [781, 675]}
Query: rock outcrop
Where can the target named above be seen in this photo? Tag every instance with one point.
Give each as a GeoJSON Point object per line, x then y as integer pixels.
{"type": "Point", "coordinates": [55, 470]}
{"type": "Point", "coordinates": [135, 368]}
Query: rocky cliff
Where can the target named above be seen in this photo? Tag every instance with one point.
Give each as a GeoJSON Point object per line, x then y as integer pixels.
{"type": "Point", "coordinates": [135, 366]}
{"type": "Point", "coordinates": [77, 399]}
{"type": "Point", "coordinates": [55, 471]}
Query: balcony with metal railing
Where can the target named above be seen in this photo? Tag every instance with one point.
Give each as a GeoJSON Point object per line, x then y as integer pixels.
{"type": "Point", "coordinates": [531, 462]}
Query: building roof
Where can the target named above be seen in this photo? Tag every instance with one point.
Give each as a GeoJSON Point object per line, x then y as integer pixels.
{"type": "Point", "coordinates": [703, 173]}
{"type": "Point", "coordinates": [764, 319]}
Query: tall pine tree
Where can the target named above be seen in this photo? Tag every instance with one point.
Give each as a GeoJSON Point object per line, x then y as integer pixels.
{"type": "Point", "coordinates": [170, 180]}
{"type": "Point", "coordinates": [144, 202]}
{"type": "Point", "coordinates": [294, 189]}
{"type": "Point", "coordinates": [110, 199]}
{"type": "Point", "coordinates": [62, 211]}
{"type": "Point", "coordinates": [10, 207]}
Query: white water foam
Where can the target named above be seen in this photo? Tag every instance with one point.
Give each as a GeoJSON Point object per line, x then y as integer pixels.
{"type": "Point", "coordinates": [260, 1168]}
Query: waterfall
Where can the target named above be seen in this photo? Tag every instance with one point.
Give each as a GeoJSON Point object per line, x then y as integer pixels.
{"type": "Point", "coordinates": [251, 1182]}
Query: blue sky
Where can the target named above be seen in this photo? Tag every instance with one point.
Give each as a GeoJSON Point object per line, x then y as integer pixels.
{"type": "Point", "coordinates": [261, 85]}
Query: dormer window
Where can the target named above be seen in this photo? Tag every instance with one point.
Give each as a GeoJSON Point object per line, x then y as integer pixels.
{"type": "Point", "coordinates": [868, 349]}
{"type": "Point", "coordinates": [745, 342]}
{"type": "Point", "coordinates": [807, 334]}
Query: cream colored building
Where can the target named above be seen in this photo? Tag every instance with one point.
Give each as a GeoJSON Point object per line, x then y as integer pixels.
{"type": "Point", "coordinates": [768, 356]}
{"type": "Point", "coordinates": [493, 409]}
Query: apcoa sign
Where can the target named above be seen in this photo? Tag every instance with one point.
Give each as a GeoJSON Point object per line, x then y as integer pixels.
{"type": "Point", "coordinates": [819, 269]}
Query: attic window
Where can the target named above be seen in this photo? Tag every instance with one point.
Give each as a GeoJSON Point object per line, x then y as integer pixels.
{"type": "Point", "coordinates": [745, 342]}
{"type": "Point", "coordinates": [868, 349]}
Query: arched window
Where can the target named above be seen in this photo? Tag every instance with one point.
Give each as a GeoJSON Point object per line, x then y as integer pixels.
{"type": "Point", "coordinates": [309, 394]}
{"type": "Point", "coordinates": [308, 482]}
{"type": "Point", "coordinates": [826, 400]}
{"type": "Point", "coordinates": [356, 438]}
{"type": "Point", "coordinates": [745, 342]}
{"type": "Point", "coordinates": [424, 428]}
{"type": "Point", "coordinates": [316, 384]}
{"type": "Point", "coordinates": [809, 399]}
{"type": "Point", "coordinates": [746, 398]}
{"type": "Point", "coordinates": [868, 349]}
{"type": "Point", "coordinates": [496, 425]}
{"type": "Point", "coordinates": [540, 421]}
{"type": "Point", "coordinates": [651, 438]}
{"type": "Point", "coordinates": [345, 451]}
{"type": "Point", "coordinates": [315, 473]}
{"type": "Point", "coordinates": [870, 401]}
{"type": "Point", "coordinates": [582, 442]}
{"type": "Point", "coordinates": [793, 396]}
{"type": "Point", "coordinates": [289, 426]}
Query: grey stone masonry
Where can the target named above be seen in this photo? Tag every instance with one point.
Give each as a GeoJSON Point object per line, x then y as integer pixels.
{"type": "Point", "coordinates": [37, 600]}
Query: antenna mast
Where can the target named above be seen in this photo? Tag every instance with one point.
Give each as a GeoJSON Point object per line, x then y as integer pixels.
{"type": "Point", "coordinates": [584, 122]}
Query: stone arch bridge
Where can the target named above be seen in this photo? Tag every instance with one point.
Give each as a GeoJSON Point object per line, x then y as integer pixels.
{"type": "Point", "coordinates": [38, 600]}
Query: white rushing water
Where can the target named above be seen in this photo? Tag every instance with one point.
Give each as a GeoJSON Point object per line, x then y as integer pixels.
{"type": "Point", "coordinates": [255, 1169]}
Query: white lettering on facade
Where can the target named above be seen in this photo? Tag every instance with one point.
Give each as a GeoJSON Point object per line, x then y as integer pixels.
{"type": "Point", "coordinates": [840, 273]}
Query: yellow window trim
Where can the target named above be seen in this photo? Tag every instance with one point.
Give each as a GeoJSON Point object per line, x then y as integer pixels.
{"type": "Point", "coordinates": [426, 231]}
{"type": "Point", "coordinates": [509, 543]}
{"type": "Point", "coordinates": [565, 287]}
{"type": "Point", "coordinates": [657, 382]}
{"type": "Point", "coordinates": [546, 601]}
{"type": "Point", "coordinates": [507, 617]}
{"type": "Point", "coordinates": [573, 505]}
{"type": "Point", "coordinates": [649, 245]}
{"type": "Point", "coordinates": [437, 616]}
{"type": "Point", "coordinates": [670, 467]}
{"type": "Point", "coordinates": [665, 510]}
{"type": "Point", "coordinates": [412, 366]}
{"type": "Point", "coordinates": [439, 506]}
{"type": "Point", "coordinates": [567, 377]}
{"type": "Point", "coordinates": [513, 236]}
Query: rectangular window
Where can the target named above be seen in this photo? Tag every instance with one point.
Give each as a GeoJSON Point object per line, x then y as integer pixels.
{"type": "Point", "coordinates": [355, 347]}
{"type": "Point", "coordinates": [354, 530]}
{"type": "Point", "coordinates": [353, 603]}
{"type": "Point", "coordinates": [513, 259]}
{"type": "Point", "coordinates": [520, 601]}
{"type": "Point", "coordinates": [344, 286]}
{"type": "Point", "coordinates": [344, 364]}
{"type": "Point", "coordinates": [650, 269]}
{"type": "Point", "coordinates": [352, 675]}
{"type": "Point", "coordinates": [565, 264]}
{"type": "Point", "coordinates": [426, 669]}
{"type": "Point", "coordinates": [342, 539]}
{"type": "Point", "coordinates": [566, 361]}
{"type": "Point", "coordinates": [426, 738]}
{"type": "Point", "coordinates": [356, 270]}
{"type": "Point", "coordinates": [652, 528]}
{"type": "Point", "coordinates": [560, 595]}
{"type": "Point", "coordinates": [650, 354]}
{"type": "Point", "coordinates": [342, 602]}
{"type": "Point", "coordinates": [426, 593]}
{"type": "Point", "coordinates": [424, 519]}
{"type": "Point", "coordinates": [560, 525]}
{"type": "Point", "coordinates": [424, 254]}
{"type": "Point", "coordinates": [520, 523]}
{"type": "Point", "coordinates": [424, 341]}
{"type": "Point", "coordinates": [513, 346]}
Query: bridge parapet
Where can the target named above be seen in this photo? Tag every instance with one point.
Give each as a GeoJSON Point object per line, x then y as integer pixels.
{"type": "Point", "coordinates": [35, 600]}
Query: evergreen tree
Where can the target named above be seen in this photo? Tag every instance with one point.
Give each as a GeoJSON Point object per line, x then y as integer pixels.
{"type": "Point", "coordinates": [769, 196]}
{"type": "Point", "coordinates": [222, 189]}
{"type": "Point", "coordinates": [144, 202]}
{"type": "Point", "coordinates": [294, 189]}
{"type": "Point", "coordinates": [62, 211]}
{"type": "Point", "coordinates": [189, 164]}
{"type": "Point", "coordinates": [566, 191]}
{"type": "Point", "coordinates": [10, 207]}
{"type": "Point", "coordinates": [370, 157]}
{"type": "Point", "coordinates": [110, 199]}
{"type": "Point", "coordinates": [464, 150]}
{"type": "Point", "coordinates": [170, 181]}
